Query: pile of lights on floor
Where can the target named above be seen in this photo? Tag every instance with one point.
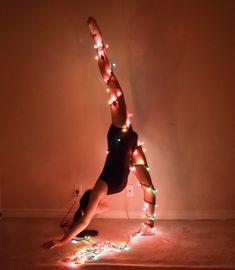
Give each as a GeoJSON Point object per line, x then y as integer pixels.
{"type": "Point", "coordinates": [95, 250]}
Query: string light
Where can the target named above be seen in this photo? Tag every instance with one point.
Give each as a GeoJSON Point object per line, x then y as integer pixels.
{"type": "Point", "coordinates": [128, 122]}
{"type": "Point", "coordinates": [99, 44]}
{"type": "Point", "coordinates": [133, 169]}
{"type": "Point", "coordinates": [93, 252]}
{"type": "Point", "coordinates": [119, 93]}
{"type": "Point", "coordinates": [112, 100]}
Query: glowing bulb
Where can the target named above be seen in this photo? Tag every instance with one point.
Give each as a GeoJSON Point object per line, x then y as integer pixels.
{"type": "Point", "coordinates": [144, 149]}
{"type": "Point", "coordinates": [72, 264]}
{"type": "Point", "coordinates": [106, 46]}
{"type": "Point", "coordinates": [140, 143]}
{"type": "Point", "coordinates": [124, 129]}
{"type": "Point", "coordinates": [119, 93]}
{"type": "Point", "coordinates": [74, 241]}
{"type": "Point", "coordinates": [99, 44]}
{"type": "Point", "coordinates": [140, 161]}
{"type": "Point", "coordinates": [128, 122]}
{"type": "Point", "coordinates": [153, 230]}
{"type": "Point", "coordinates": [107, 151]}
{"type": "Point", "coordinates": [95, 46]}
{"type": "Point", "coordinates": [108, 90]}
{"type": "Point", "coordinates": [96, 58]}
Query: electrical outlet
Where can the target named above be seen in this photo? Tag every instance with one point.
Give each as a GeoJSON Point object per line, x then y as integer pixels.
{"type": "Point", "coordinates": [77, 189]}
{"type": "Point", "coordinates": [130, 190]}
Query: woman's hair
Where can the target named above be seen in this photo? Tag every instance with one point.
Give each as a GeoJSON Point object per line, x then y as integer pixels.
{"type": "Point", "coordinates": [83, 205]}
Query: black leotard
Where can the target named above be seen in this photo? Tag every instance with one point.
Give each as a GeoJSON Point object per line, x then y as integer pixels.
{"type": "Point", "coordinates": [117, 165]}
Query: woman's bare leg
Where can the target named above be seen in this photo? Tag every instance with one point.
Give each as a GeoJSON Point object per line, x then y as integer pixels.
{"type": "Point", "coordinates": [141, 171]}
{"type": "Point", "coordinates": [116, 98]}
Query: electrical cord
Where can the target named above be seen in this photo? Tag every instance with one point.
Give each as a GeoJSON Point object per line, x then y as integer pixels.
{"type": "Point", "coordinates": [64, 219]}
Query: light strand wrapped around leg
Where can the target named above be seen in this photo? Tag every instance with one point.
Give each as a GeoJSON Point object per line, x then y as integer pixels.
{"type": "Point", "coordinates": [141, 170]}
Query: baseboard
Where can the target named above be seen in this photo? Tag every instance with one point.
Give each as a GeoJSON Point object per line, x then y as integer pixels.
{"type": "Point", "coordinates": [160, 215]}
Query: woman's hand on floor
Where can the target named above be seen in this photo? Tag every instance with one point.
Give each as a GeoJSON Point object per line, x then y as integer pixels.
{"type": "Point", "coordinates": [53, 243]}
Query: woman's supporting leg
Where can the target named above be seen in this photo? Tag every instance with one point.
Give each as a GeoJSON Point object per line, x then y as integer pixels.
{"type": "Point", "coordinates": [116, 98]}
{"type": "Point", "coordinates": [141, 171]}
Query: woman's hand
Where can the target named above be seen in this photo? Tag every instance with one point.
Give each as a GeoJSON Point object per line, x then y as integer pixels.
{"type": "Point", "coordinates": [53, 243]}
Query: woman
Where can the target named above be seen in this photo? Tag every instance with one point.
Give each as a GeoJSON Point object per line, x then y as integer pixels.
{"type": "Point", "coordinates": [123, 152]}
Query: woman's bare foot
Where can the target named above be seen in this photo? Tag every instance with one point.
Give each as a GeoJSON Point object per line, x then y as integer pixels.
{"type": "Point", "coordinates": [147, 230]}
{"type": "Point", "coordinates": [103, 60]}
{"type": "Point", "coordinates": [95, 32]}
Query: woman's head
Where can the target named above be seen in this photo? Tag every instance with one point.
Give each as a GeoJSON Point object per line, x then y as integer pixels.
{"type": "Point", "coordinates": [83, 205]}
{"type": "Point", "coordinates": [85, 200]}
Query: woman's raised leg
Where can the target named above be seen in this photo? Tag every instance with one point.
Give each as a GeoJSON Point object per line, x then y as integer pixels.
{"type": "Point", "coordinates": [117, 103]}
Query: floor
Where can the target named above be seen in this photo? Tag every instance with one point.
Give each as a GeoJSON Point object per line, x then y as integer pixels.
{"type": "Point", "coordinates": [177, 245]}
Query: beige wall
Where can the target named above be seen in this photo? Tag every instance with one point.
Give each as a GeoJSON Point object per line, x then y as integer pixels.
{"type": "Point", "coordinates": [175, 61]}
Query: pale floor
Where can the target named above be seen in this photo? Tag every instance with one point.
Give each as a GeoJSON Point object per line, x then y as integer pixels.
{"type": "Point", "coordinates": [177, 245]}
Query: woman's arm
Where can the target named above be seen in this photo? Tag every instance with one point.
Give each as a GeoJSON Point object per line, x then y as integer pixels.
{"type": "Point", "coordinates": [96, 197]}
